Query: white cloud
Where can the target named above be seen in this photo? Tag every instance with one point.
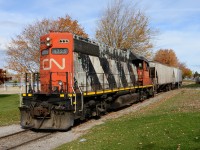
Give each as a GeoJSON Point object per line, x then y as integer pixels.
{"type": "Point", "coordinates": [2, 60]}
{"type": "Point", "coordinates": [179, 25]}
{"type": "Point", "coordinates": [3, 42]}
{"type": "Point", "coordinates": [178, 21]}
{"type": "Point", "coordinates": [184, 43]}
{"type": "Point", "coordinates": [13, 17]}
{"type": "Point", "coordinates": [170, 11]}
{"type": "Point", "coordinates": [12, 24]}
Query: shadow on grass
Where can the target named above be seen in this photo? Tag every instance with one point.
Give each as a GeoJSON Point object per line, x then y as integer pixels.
{"type": "Point", "coordinates": [191, 86]}
{"type": "Point", "coordinates": [4, 95]}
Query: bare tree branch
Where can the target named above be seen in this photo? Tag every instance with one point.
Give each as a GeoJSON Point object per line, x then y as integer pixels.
{"type": "Point", "coordinates": [124, 26]}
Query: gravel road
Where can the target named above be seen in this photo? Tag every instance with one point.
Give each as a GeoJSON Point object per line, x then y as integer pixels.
{"type": "Point", "coordinates": [63, 137]}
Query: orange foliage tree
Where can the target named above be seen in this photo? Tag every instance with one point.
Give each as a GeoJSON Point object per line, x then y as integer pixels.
{"type": "Point", "coordinates": [166, 56]}
{"type": "Point", "coordinates": [23, 50]}
{"type": "Point", "coordinates": [185, 70]}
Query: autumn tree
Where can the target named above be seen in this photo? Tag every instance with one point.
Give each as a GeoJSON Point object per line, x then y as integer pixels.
{"type": "Point", "coordinates": [196, 74]}
{"type": "Point", "coordinates": [166, 56]}
{"type": "Point", "coordinates": [23, 50]}
{"type": "Point", "coordinates": [124, 26]}
{"type": "Point", "coordinates": [185, 70]}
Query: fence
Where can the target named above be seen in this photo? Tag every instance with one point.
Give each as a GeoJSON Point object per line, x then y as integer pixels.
{"type": "Point", "coordinates": [8, 89]}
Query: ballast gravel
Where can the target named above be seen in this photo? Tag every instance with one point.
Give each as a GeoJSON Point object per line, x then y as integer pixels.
{"type": "Point", "coordinates": [60, 138]}
{"type": "Point", "coordinates": [6, 130]}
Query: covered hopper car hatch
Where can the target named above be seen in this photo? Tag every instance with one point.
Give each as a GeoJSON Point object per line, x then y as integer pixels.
{"type": "Point", "coordinates": [80, 79]}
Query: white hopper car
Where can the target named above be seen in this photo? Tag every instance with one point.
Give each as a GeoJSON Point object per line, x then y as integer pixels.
{"type": "Point", "coordinates": [165, 77]}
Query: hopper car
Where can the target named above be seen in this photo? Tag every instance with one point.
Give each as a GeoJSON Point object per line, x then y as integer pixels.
{"type": "Point", "coordinates": [165, 77]}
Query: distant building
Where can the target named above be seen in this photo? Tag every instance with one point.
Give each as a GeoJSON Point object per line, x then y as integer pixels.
{"type": "Point", "coordinates": [3, 77]}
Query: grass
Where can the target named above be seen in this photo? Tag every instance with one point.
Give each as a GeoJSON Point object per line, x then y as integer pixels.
{"type": "Point", "coordinates": [191, 86]}
{"type": "Point", "coordinates": [166, 125]}
{"type": "Point", "coordinates": [9, 113]}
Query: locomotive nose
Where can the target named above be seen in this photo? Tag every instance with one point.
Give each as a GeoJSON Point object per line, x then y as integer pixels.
{"type": "Point", "coordinates": [41, 112]}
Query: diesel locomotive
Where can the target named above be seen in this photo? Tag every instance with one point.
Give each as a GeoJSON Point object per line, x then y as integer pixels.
{"type": "Point", "coordinates": [80, 78]}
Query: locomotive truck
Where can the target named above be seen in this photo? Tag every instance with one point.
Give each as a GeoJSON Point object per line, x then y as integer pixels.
{"type": "Point", "coordinates": [80, 78]}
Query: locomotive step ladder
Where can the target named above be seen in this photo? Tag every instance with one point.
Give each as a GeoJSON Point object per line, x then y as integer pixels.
{"type": "Point", "coordinates": [77, 100]}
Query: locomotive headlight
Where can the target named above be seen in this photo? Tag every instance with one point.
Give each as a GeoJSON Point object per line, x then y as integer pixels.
{"type": "Point", "coordinates": [48, 44]}
{"type": "Point", "coordinates": [60, 82]}
{"type": "Point", "coordinates": [48, 41]}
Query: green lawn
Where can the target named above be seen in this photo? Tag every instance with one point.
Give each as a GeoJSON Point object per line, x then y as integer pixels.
{"type": "Point", "coordinates": [191, 86]}
{"type": "Point", "coordinates": [166, 125]}
{"type": "Point", "coordinates": [9, 112]}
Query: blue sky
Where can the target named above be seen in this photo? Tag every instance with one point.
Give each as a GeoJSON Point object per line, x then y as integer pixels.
{"type": "Point", "coordinates": [178, 22]}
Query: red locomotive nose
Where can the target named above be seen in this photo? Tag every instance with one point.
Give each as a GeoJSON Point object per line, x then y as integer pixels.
{"type": "Point", "coordinates": [56, 62]}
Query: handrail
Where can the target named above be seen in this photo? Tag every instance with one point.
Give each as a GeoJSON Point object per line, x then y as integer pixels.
{"type": "Point", "coordinates": [74, 94]}
{"type": "Point", "coordinates": [81, 98]}
{"type": "Point", "coordinates": [79, 87]}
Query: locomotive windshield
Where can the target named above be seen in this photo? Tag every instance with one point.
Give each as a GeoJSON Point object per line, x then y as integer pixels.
{"type": "Point", "coordinates": [45, 52]}
{"type": "Point", "coordinates": [59, 51]}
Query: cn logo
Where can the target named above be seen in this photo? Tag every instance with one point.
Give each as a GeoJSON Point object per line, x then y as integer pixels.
{"type": "Point", "coordinates": [51, 61]}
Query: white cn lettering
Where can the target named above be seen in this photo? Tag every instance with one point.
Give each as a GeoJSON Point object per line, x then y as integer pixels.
{"type": "Point", "coordinates": [51, 61]}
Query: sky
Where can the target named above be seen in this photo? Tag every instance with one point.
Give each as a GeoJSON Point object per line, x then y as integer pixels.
{"type": "Point", "coordinates": [178, 22]}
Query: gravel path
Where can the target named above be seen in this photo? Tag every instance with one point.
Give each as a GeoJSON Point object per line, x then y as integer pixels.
{"type": "Point", "coordinates": [9, 129]}
{"type": "Point", "coordinates": [63, 137]}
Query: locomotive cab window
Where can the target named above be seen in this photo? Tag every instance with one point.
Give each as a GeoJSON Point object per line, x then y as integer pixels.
{"type": "Point", "coordinates": [45, 52]}
{"type": "Point", "coordinates": [146, 66]}
{"type": "Point", "coordinates": [59, 51]}
{"type": "Point", "coordinates": [140, 66]}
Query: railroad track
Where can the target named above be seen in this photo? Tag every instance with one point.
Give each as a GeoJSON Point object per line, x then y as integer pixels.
{"type": "Point", "coordinates": [15, 140]}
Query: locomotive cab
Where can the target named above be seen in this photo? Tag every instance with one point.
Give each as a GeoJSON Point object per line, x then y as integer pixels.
{"type": "Point", "coordinates": [143, 71]}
